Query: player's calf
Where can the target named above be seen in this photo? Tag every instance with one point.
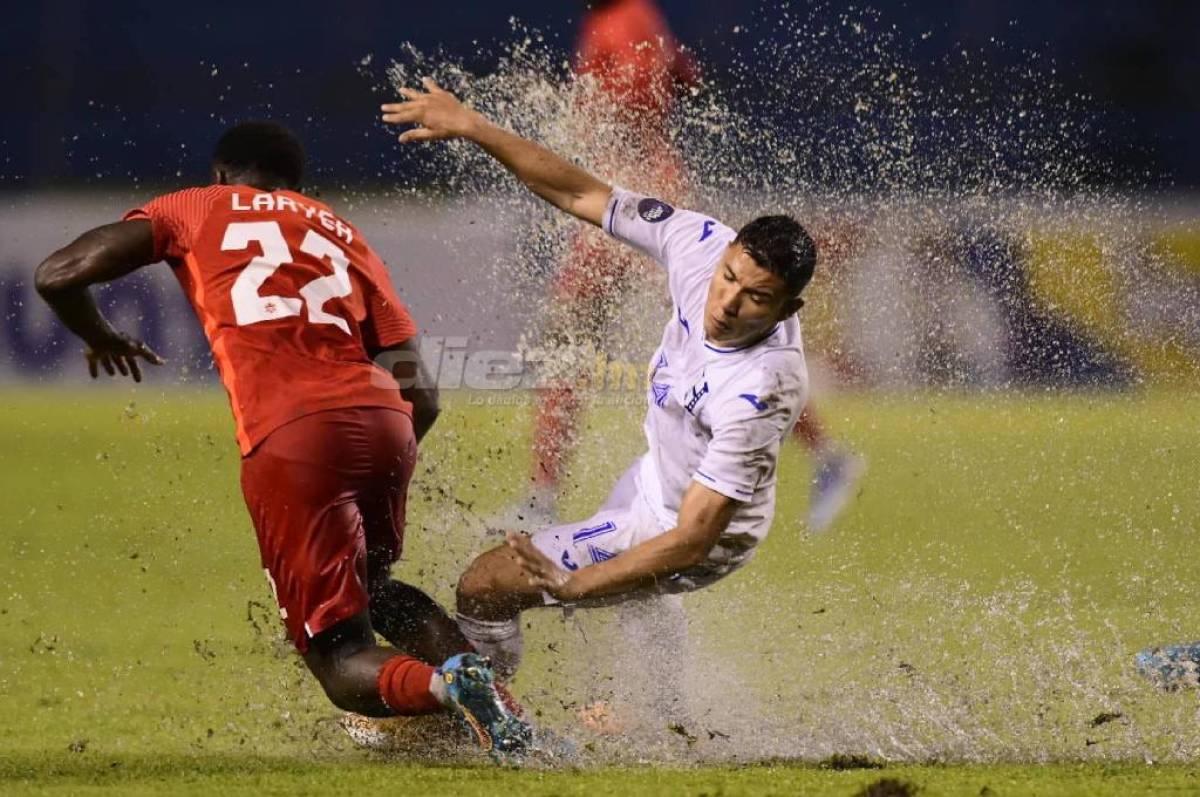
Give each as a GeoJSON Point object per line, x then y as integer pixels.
{"type": "Point", "coordinates": [413, 622]}
{"type": "Point", "coordinates": [358, 675]}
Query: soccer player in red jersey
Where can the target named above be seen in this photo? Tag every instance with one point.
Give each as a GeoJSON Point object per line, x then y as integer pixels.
{"type": "Point", "coordinates": [630, 50]}
{"type": "Point", "coordinates": [295, 305]}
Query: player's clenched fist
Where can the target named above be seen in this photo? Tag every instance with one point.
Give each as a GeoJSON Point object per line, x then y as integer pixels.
{"type": "Point", "coordinates": [436, 113]}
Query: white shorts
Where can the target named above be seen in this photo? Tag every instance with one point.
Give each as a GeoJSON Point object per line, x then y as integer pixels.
{"type": "Point", "coordinates": [625, 520]}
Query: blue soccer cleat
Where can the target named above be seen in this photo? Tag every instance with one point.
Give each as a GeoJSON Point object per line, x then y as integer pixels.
{"type": "Point", "coordinates": [1171, 667]}
{"type": "Point", "coordinates": [472, 696]}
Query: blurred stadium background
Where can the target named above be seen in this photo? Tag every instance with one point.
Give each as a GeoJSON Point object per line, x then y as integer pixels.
{"type": "Point", "coordinates": [111, 103]}
{"type": "Point", "coordinates": [1018, 360]}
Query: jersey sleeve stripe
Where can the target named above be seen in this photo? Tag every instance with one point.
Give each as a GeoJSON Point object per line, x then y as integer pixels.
{"type": "Point", "coordinates": [722, 486]}
{"type": "Point", "coordinates": [610, 211]}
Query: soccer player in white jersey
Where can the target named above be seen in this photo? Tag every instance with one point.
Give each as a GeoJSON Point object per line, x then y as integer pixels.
{"type": "Point", "coordinates": [725, 387]}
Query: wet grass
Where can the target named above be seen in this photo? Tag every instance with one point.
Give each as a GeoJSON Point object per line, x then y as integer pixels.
{"type": "Point", "coordinates": [979, 601]}
{"type": "Point", "coordinates": [229, 774]}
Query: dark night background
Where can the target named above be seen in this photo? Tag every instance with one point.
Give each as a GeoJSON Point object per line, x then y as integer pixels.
{"type": "Point", "coordinates": [112, 93]}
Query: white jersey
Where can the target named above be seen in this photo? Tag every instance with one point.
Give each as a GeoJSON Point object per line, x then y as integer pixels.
{"type": "Point", "coordinates": [715, 415]}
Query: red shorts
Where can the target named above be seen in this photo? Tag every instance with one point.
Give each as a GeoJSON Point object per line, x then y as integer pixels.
{"type": "Point", "coordinates": [327, 495]}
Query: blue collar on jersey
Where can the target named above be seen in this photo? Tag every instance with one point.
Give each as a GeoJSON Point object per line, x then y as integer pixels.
{"type": "Point", "coordinates": [720, 350]}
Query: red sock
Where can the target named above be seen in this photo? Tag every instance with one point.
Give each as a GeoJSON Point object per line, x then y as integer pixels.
{"type": "Point", "coordinates": [404, 686]}
{"type": "Point", "coordinates": [554, 432]}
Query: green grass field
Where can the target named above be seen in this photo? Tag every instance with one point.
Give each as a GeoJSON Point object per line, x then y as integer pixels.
{"type": "Point", "coordinates": [971, 620]}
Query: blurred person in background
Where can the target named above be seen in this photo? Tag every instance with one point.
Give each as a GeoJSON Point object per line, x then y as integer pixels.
{"type": "Point", "coordinates": [632, 69]}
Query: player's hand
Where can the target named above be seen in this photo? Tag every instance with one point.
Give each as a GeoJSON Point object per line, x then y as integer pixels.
{"type": "Point", "coordinates": [541, 571]}
{"type": "Point", "coordinates": [437, 114]}
{"type": "Point", "coordinates": [120, 352]}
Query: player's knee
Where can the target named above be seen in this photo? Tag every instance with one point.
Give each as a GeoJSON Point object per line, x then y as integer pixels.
{"type": "Point", "coordinates": [333, 682]}
{"type": "Point", "coordinates": [382, 611]}
{"type": "Point", "coordinates": [336, 659]}
{"type": "Point", "coordinates": [380, 596]}
{"type": "Point", "coordinates": [337, 693]}
{"type": "Point", "coordinates": [399, 607]}
{"type": "Point", "coordinates": [481, 589]}
{"type": "Point", "coordinates": [475, 586]}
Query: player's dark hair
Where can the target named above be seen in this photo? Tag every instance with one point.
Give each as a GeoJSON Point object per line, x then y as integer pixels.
{"type": "Point", "coordinates": [263, 148]}
{"type": "Point", "coordinates": [780, 245]}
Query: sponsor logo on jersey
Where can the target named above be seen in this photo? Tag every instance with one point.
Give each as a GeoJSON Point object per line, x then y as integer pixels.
{"type": "Point", "coordinates": [654, 210]}
{"type": "Point", "coordinates": [707, 231]}
{"type": "Point", "coordinates": [754, 400]}
{"type": "Point", "coordinates": [698, 392]}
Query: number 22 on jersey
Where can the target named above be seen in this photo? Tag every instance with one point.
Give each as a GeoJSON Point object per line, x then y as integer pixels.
{"type": "Point", "coordinates": [250, 308]}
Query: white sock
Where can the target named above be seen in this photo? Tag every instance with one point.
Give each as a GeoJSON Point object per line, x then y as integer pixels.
{"type": "Point", "coordinates": [499, 640]}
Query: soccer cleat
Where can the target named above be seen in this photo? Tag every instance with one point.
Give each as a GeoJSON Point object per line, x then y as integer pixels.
{"type": "Point", "coordinates": [1171, 667]}
{"type": "Point", "coordinates": [472, 697]}
{"type": "Point", "coordinates": [432, 736]}
{"type": "Point", "coordinates": [833, 483]}
{"type": "Point", "coordinates": [370, 733]}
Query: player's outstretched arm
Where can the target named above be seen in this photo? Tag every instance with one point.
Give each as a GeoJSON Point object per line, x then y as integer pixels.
{"type": "Point", "coordinates": [99, 255]}
{"type": "Point", "coordinates": [703, 517]}
{"type": "Point", "coordinates": [438, 115]}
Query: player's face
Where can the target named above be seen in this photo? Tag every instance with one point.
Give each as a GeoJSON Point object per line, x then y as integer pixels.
{"type": "Point", "coordinates": [744, 300]}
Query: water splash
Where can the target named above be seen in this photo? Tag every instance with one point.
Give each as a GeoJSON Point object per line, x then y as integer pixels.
{"type": "Point", "coordinates": [899, 174]}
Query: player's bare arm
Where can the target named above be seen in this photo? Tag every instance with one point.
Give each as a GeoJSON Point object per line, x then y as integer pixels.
{"type": "Point", "coordinates": [703, 517]}
{"type": "Point", "coordinates": [100, 255]}
{"type": "Point", "coordinates": [438, 115]}
{"type": "Point", "coordinates": [417, 386]}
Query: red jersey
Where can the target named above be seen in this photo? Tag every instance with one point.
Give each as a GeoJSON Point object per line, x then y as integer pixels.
{"type": "Point", "coordinates": [628, 46]}
{"type": "Point", "coordinates": [291, 297]}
